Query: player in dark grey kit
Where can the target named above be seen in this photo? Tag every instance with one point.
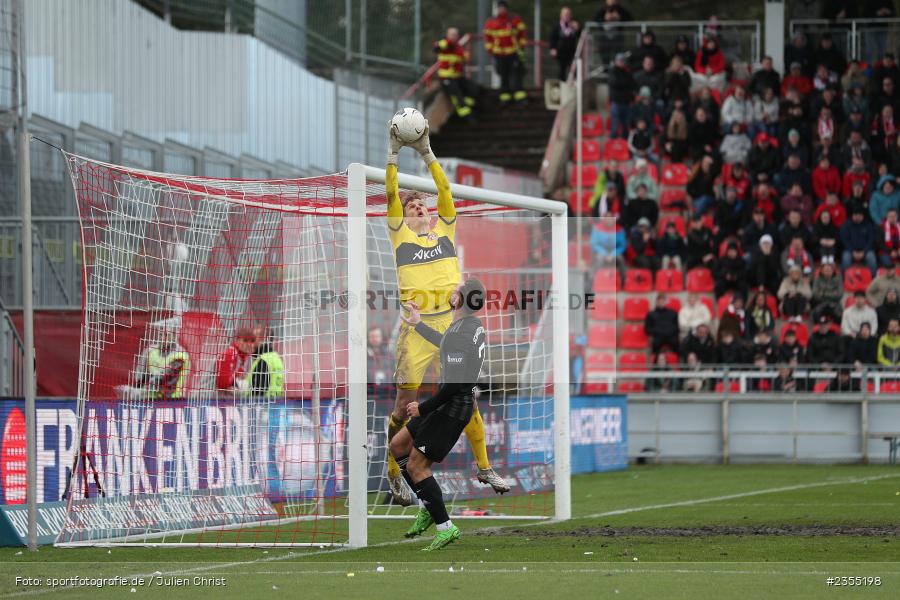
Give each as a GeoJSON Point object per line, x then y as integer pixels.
{"type": "Point", "coordinates": [437, 422]}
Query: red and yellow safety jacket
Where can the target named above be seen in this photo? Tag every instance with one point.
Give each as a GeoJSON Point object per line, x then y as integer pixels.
{"type": "Point", "coordinates": [504, 35]}
{"type": "Point", "coordinates": [452, 59]}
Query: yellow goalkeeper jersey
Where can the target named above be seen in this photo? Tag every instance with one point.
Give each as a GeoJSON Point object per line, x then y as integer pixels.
{"type": "Point", "coordinates": [427, 265]}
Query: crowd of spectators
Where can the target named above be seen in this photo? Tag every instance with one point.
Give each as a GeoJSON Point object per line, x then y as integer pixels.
{"type": "Point", "coordinates": [792, 184]}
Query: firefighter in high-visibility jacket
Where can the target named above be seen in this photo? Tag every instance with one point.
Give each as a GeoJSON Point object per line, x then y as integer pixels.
{"type": "Point", "coordinates": [266, 376]}
{"type": "Point", "coordinates": [164, 368]}
{"type": "Point", "coordinates": [452, 59]}
{"type": "Point", "coordinates": [504, 38]}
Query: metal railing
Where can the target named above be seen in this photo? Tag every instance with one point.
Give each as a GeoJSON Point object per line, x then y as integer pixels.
{"type": "Point", "coordinates": [740, 41]}
{"type": "Point", "coordinates": [859, 39]}
{"type": "Point", "coordinates": [12, 357]}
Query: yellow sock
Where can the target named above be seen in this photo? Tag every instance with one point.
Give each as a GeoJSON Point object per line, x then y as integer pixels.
{"type": "Point", "coordinates": [475, 433]}
{"type": "Point", "coordinates": [393, 428]}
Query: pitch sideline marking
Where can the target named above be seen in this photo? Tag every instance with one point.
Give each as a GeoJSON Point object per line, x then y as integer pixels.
{"type": "Point", "coordinates": [622, 511]}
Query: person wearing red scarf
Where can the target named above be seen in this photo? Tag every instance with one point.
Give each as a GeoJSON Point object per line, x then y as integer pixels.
{"type": "Point", "coordinates": [832, 205]}
{"type": "Point", "coordinates": [890, 254]}
{"type": "Point", "coordinates": [764, 198]}
{"type": "Point", "coordinates": [825, 178]}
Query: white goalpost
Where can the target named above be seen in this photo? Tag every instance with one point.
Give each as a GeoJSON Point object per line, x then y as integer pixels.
{"type": "Point", "coordinates": [177, 271]}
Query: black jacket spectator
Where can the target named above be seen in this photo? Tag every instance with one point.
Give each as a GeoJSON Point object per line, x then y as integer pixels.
{"type": "Point", "coordinates": [729, 216]}
{"type": "Point", "coordinates": [683, 49]}
{"type": "Point", "coordinates": [732, 351]}
{"type": "Point", "coordinates": [677, 86]}
{"type": "Point", "coordinates": [622, 88]}
{"type": "Point", "coordinates": [613, 12]}
{"type": "Point", "coordinates": [857, 236]}
{"type": "Point", "coordinates": [825, 344]}
{"type": "Point", "coordinates": [763, 160]}
{"type": "Point", "coordinates": [765, 78]}
{"type": "Point", "coordinates": [765, 270]}
{"type": "Point", "coordinates": [791, 350]}
{"type": "Point", "coordinates": [889, 309]}
{"type": "Point", "coordinates": [704, 348]}
{"type": "Point", "coordinates": [699, 245]}
{"type": "Point", "coordinates": [753, 231]}
{"type": "Point", "coordinates": [730, 273]}
{"type": "Point", "coordinates": [701, 135]}
{"type": "Point", "coordinates": [886, 68]}
{"type": "Point", "coordinates": [653, 80]}
{"type": "Point", "coordinates": [661, 325]}
{"type": "Point", "coordinates": [863, 350]}
{"type": "Point", "coordinates": [827, 54]}
{"type": "Point", "coordinates": [650, 48]}
{"type": "Point", "coordinates": [788, 176]}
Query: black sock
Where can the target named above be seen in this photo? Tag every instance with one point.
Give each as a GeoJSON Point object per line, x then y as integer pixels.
{"type": "Point", "coordinates": [401, 462]}
{"type": "Point", "coordinates": [429, 492]}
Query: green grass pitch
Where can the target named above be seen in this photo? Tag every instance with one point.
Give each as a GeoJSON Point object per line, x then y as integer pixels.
{"type": "Point", "coordinates": [650, 532]}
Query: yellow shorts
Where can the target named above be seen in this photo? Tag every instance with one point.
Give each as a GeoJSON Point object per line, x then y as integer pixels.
{"type": "Point", "coordinates": [415, 353]}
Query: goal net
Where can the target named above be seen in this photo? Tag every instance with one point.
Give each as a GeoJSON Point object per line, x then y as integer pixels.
{"type": "Point", "coordinates": [237, 357]}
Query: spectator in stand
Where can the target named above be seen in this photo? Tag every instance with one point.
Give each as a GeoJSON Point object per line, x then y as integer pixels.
{"type": "Point", "coordinates": [661, 384]}
{"type": "Point", "coordinates": [856, 314]}
{"type": "Point", "coordinates": [794, 146]}
{"type": "Point", "coordinates": [641, 176]}
{"type": "Point", "coordinates": [729, 215]}
{"type": "Point", "coordinates": [764, 345]}
{"type": "Point", "coordinates": [735, 146]}
{"type": "Point", "coordinates": [676, 138]}
{"type": "Point", "coordinates": [797, 201]}
{"type": "Point", "coordinates": [694, 384]}
{"type": "Point", "coordinates": [732, 350]}
{"type": "Point", "coordinates": [738, 178]}
{"type": "Point", "coordinates": [700, 188]}
{"type": "Point", "coordinates": [649, 76]}
{"type": "Point", "coordinates": [766, 109]}
{"type": "Point", "coordinates": [754, 230]}
{"type": "Point", "coordinates": [790, 349]}
{"type": "Point", "coordinates": [621, 94]}
{"type": "Point", "coordinates": [886, 68]}
{"type": "Point", "coordinates": [858, 241]}
{"type": "Point", "coordinates": [826, 179]}
{"type": "Point", "coordinates": [661, 326]}
{"type": "Point", "coordinates": [737, 108]}
{"type": "Point", "coordinates": [231, 365]}
{"type": "Point", "coordinates": [608, 242]}
{"type": "Point", "coordinates": [564, 41]}
{"type": "Point", "coordinates": [670, 248]}
{"type": "Point", "coordinates": [700, 251]}
{"type": "Point", "coordinates": [764, 198]}
{"type": "Point", "coordinates": [881, 285]}
{"type": "Point", "coordinates": [640, 142]}
{"type": "Point", "coordinates": [863, 349]}
{"type": "Point", "coordinates": [794, 228]}
{"type": "Point", "coordinates": [894, 164]}
{"type": "Point", "coordinates": [641, 206]}
{"type": "Point", "coordinates": [792, 173]}
{"type": "Point", "coordinates": [765, 267]}
{"type": "Point", "coordinates": [855, 76]}
{"type": "Point", "coordinates": [889, 253]}
{"type": "Point", "coordinates": [825, 235]}
{"type": "Point", "coordinates": [794, 294]}
{"type": "Point", "coordinates": [799, 53]}
{"type": "Point", "coordinates": [706, 99]}
{"type": "Point", "coordinates": [702, 135]}
{"type": "Point", "coordinates": [844, 382]}
{"type": "Point", "coordinates": [853, 138]}
{"type": "Point", "coordinates": [787, 382]}
{"type": "Point", "coordinates": [889, 345]}
{"type": "Point", "coordinates": [794, 118]}
{"type": "Point", "coordinates": [886, 96]}
{"type": "Point", "coordinates": [610, 15]}
{"type": "Point", "coordinates": [825, 345]}
{"type": "Point", "coordinates": [884, 134]}
{"type": "Point", "coordinates": [825, 127]}
{"type": "Point", "coordinates": [764, 382]}
{"type": "Point", "coordinates": [759, 316]}
{"type": "Point", "coordinates": [709, 65]}
{"type": "Point", "coordinates": [730, 272]}
{"type": "Point", "coordinates": [764, 158]}
{"type": "Point", "coordinates": [796, 80]}
{"type": "Point", "coordinates": [648, 48]}
{"type": "Point", "coordinates": [795, 254]}
{"type": "Point", "coordinates": [734, 318]}
{"type": "Point", "coordinates": [829, 99]}
{"type": "Point", "coordinates": [683, 51]}
{"type": "Point", "coordinates": [641, 252]}
{"type": "Point", "coordinates": [610, 173]}
{"type": "Point", "coordinates": [877, 9]}
{"type": "Point", "coordinates": [857, 173]}
{"type": "Point", "coordinates": [765, 78]}
{"type": "Point", "coordinates": [701, 344]}
{"type": "Point", "coordinates": [885, 198]}
{"type": "Point", "coordinates": [647, 109]}
{"type": "Point", "coordinates": [889, 309]}
{"type": "Point", "coordinates": [609, 203]}
{"type": "Point", "coordinates": [692, 314]}
{"type": "Point", "coordinates": [827, 291]}
{"type": "Point", "coordinates": [828, 55]}
{"type": "Point", "coordinates": [677, 82]}
{"type": "Point", "coordinates": [822, 79]}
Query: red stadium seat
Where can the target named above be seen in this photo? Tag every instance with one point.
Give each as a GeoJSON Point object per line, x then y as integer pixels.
{"type": "Point", "coordinates": [616, 149]}
{"type": "Point", "coordinates": [635, 309]}
{"type": "Point", "coordinates": [733, 386]}
{"type": "Point", "coordinates": [821, 385]}
{"type": "Point", "coordinates": [674, 303]}
{"type": "Point", "coordinates": [590, 151]}
{"type": "Point", "coordinates": [591, 387]}
{"type": "Point", "coordinates": [675, 174]}
{"type": "Point", "coordinates": [722, 305]}
{"type": "Point", "coordinates": [602, 336]}
{"type": "Point", "coordinates": [677, 220]}
{"type": "Point", "coordinates": [857, 279]}
{"type": "Point", "coordinates": [700, 280]}
{"type": "Point", "coordinates": [588, 176]}
{"type": "Point", "coordinates": [605, 308]}
{"type": "Point", "coordinates": [633, 362]}
{"type": "Point", "coordinates": [582, 205]}
{"type": "Point", "coordinates": [670, 199]}
{"type": "Point", "coordinates": [605, 280]}
{"type": "Point", "coordinates": [592, 125]}
{"type": "Point", "coordinates": [631, 386]}
{"type": "Point", "coordinates": [800, 329]}
{"type": "Point", "coordinates": [669, 280]}
{"type": "Point", "coordinates": [708, 303]}
{"type": "Point", "coordinates": [890, 387]}
{"type": "Point", "coordinates": [638, 281]}
{"type": "Point", "coordinates": [633, 337]}
{"type": "Point", "coordinates": [601, 361]}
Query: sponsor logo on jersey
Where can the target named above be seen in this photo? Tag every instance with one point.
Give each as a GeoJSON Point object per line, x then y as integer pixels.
{"type": "Point", "coordinates": [455, 358]}
{"type": "Point", "coordinates": [409, 253]}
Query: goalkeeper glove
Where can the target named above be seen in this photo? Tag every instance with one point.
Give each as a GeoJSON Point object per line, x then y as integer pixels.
{"type": "Point", "coordinates": [394, 145]}
{"type": "Point", "coordinates": [423, 147]}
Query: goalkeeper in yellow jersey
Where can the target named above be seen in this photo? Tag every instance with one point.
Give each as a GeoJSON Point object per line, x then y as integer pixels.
{"type": "Point", "coordinates": [427, 272]}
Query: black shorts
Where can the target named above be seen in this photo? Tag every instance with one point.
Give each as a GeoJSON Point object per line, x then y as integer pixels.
{"type": "Point", "coordinates": [435, 435]}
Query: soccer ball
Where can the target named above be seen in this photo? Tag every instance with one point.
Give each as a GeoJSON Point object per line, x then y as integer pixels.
{"type": "Point", "coordinates": [408, 125]}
